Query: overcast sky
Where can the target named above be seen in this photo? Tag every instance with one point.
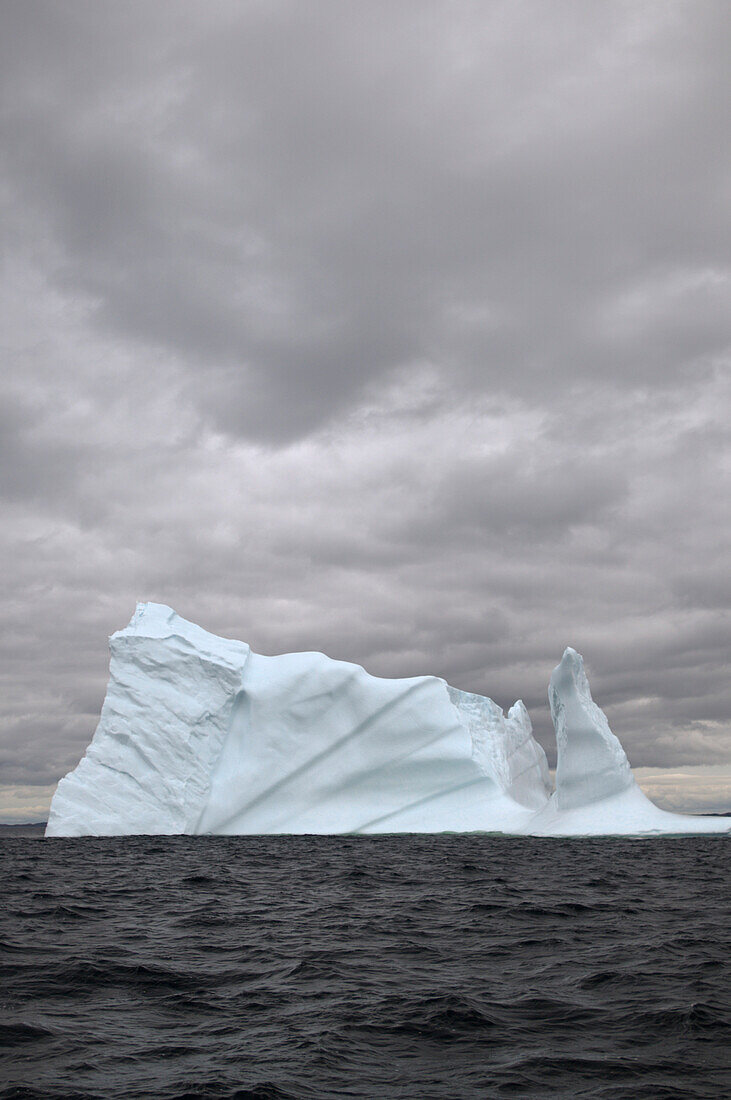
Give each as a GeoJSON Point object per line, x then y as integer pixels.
{"type": "Point", "coordinates": [398, 330]}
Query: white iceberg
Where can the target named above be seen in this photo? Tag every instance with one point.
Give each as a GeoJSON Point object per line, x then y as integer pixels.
{"type": "Point", "coordinates": [200, 735]}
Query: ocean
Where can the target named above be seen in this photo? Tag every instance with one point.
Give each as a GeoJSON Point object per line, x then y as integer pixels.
{"type": "Point", "coordinates": [464, 966]}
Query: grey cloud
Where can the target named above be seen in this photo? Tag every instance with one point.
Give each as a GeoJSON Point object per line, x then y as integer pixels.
{"type": "Point", "coordinates": [532, 495]}
{"type": "Point", "coordinates": [299, 202]}
{"type": "Point", "coordinates": [32, 465]}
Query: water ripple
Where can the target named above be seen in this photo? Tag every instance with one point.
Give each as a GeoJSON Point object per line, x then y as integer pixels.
{"type": "Point", "coordinates": [290, 968]}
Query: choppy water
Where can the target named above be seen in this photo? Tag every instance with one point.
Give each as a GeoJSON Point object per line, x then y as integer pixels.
{"type": "Point", "coordinates": [440, 966]}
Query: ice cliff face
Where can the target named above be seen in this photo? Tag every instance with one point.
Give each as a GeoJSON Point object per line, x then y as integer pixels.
{"type": "Point", "coordinates": [199, 735]}
{"type": "Point", "coordinates": [170, 700]}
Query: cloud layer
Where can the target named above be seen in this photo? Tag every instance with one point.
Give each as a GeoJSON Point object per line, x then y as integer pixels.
{"type": "Point", "coordinates": [396, 330]}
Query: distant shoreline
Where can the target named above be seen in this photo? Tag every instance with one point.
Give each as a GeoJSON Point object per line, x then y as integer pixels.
{"type": "Point", "coordinates": [30, 828]}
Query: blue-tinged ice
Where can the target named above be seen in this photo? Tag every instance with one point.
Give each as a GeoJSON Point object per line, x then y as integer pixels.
{"type": "Point", "coordinates": [199, 735]}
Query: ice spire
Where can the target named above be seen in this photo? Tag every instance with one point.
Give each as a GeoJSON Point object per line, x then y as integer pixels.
{"type": "Point", "coordinates": [592, 764]}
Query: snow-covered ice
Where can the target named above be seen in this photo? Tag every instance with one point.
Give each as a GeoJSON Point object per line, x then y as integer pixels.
{"type": "Point", "coordinates": [199, 735]}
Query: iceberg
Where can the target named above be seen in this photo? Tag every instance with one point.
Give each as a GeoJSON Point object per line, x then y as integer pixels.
{"type": "Point", "coordinates": [198, 734]}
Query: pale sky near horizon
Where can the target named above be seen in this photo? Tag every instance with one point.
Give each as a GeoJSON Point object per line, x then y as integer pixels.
{"type": "Point", "coordinates": [397, 330]}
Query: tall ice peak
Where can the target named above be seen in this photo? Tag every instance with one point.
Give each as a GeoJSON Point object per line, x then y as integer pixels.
{"type": "Point", "coordinates": [591, 762]}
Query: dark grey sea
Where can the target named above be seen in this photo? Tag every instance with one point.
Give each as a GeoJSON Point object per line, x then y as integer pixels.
{"type": "Point", "coordinates": [392, 966]}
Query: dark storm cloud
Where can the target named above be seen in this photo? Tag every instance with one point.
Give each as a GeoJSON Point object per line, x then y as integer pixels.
{"type": "Point", "coordinates": [300, 199]}
{"type": "Point", "coordinates": [398, 330]}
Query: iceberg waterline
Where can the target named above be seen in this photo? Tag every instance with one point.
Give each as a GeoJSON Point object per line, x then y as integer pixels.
{"type": "Point", "coordinates": [198, 734]}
